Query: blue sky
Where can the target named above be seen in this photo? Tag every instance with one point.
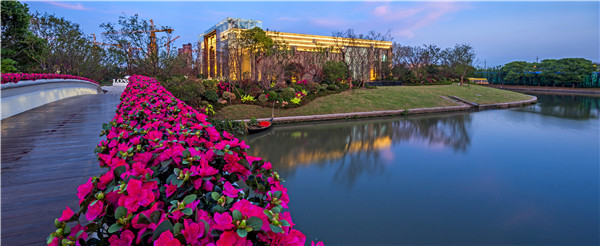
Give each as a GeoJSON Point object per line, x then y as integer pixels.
{"type": "Point", "coordinates": [499, 32]}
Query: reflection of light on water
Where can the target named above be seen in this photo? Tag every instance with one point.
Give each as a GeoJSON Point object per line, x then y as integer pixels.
{"type": "Point", "coordinates": [292, 159]}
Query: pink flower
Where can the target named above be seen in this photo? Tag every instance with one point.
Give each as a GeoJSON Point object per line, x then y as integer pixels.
{"type": "Point", "coordinates": [105, 179]}
{"type": "Point", "coordinates": [223, 221]}
{"type": "Point", "coordinates": [125, 240]}
{"type": "Point", "coordinates": [66, 214]}
{"type": "Point", "coordinates": [192, 231]}
{"type": "Point", "coordinates": [137, 195]}
{"type": "Point", "coordinates": [231, 238]}
{"type": "Point", "coordinates": [230, 191]}
{"type": "Point", "coordinates": [170, 189]}
{"type": "Point", "coordinates": [319, 243]}
{"type": "Point", "coordinates": [94, 210]}
{"type": "Point", "coordinates": [166, 239]}
{"type": "Point", "coordinates": [84, 189]}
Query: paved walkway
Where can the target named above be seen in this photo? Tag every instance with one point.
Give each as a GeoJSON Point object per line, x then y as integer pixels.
{"type": "Point", "coordinates": [46, 153]}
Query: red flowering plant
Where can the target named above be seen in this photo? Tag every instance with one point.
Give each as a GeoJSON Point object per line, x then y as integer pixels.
{"type": "Point", "coordinates": [172, 179]}
{"type": "Point", "coordinates": [16, 77]}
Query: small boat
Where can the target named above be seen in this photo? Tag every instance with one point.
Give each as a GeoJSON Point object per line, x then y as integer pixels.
{"type": "Point", "coordinates": [260, 126]}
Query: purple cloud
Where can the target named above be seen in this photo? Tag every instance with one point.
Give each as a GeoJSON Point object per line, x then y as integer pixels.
{"type": "Point", "coordinates": [408, 20]}
{"type": "Point", "coordinates": [77, 6]}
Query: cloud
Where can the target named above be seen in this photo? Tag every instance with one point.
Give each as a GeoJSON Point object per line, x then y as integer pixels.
{"type": "Point", "coordinates": [77, 6]}
{"type": "Point", "coordinates": [408, 20]}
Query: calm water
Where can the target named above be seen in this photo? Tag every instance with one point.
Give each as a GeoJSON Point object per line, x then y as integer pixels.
{"type": "Point", "coordinates": [518, 176]}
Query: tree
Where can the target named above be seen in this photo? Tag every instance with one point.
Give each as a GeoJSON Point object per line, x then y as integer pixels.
{"type": "Point", "coordinates": [334, 71]}
{"type": "Point", "coordinates": [15, 30]}
{"type": "Point", "coordinates": [60, 46]}
{"type": "Point", "coordinates": [416, 58]}
{"type": "Point", "coordinates": [137, 48]}
{"type": "Point", "coordinates": [259, 46]}
{"type": "Point", "coordinates": [574, 70]}
{"type": "Point", "coordinates": [459, 60]}
{"type": "Point", "coordinates": [515, 71]}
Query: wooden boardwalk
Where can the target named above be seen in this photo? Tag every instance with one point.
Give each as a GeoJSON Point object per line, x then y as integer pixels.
{"type": "Point", "coordinates": [46, 153]}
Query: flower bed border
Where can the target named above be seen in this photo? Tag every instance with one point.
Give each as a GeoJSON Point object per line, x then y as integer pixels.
{"type": "Point", "coordinates": [171, 179]}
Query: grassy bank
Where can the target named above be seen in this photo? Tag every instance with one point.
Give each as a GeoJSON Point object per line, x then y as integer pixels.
{"type": "Point", "coordinates": [382, 98]}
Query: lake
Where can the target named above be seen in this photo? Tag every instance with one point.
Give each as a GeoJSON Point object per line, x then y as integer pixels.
{"type": "Point", "coordinates": [525, 175]}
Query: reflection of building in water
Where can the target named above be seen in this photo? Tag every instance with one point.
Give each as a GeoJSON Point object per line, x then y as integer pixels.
{"type": "Point", "coordinates": [293, 158]}
{"type": "Point", "coordinates": [308, 145]}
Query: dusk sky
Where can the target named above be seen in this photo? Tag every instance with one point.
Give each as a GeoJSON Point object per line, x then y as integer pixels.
{"type": "Point", "coordinates": [499, 32]}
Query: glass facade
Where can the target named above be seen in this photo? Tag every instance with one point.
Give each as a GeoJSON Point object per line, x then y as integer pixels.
{"type": "Point", "coordinates": [229, 23]}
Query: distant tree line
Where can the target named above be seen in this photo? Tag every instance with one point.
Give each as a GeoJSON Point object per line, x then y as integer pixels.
{"type": "Point", "coordinates": [571, 72]}
{"type": "Point", "coordinates": [45, 43]}
{"type": "Point", "coordinates": [430, 64]}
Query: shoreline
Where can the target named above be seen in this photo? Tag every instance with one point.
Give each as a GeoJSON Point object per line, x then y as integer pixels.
{"type": "Point", "coordinates": [465, 106]}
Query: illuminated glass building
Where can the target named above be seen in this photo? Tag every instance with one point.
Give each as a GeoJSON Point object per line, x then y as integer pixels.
{"type": "Point", "coordinates": [215, 63]}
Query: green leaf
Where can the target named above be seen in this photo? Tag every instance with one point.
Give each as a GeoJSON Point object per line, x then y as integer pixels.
{"type": "Point", "coordinates": [185, 162]}
{"type": "Point", "coordinates": [142, 219]}
{"type": "Point", "coordinates": [115, 228]}
{"type": "Point", "coordinates": [237, 215]}
{"type": "Point", "coordinates": [155, 216]}
{"type": "Point", "coordinates": [268, 214]}
{"type": "Point", "coordinates": [120, 212]}
{"type": "Point", "coordinates": [186, 153]}
{"type": "Point", "coordinates": [189, 199]}
{"type": "Point", "coordinates": [229, 199]}
{"type": "Point", "coordinates": [78, 234]}
{"type": "Point", "coordinates": [177, 228]}
{"type": "Point", "coordinates": [242, 232]}
{"type": "Point", "coordinates": [254, 222]}
{"type": "Point", "coordinates": [177, 171]}
{"type": "Point", "coordinates": [67, 230]}
{"type": "Point", "coordinates": [166, 163]}
{"type": "Point", "coordinates": [118, 171]}
{"type": "Point", "coordinates": [218, 209]}
{"type": "Point", "coordinates": [276, 210]}
{"type": "Point", "coordinates": [284, 223]}
{"type": "Point", "coordinates": [277, 194]}
{"type": "Point", "coordinates": [187, 211]}
{"type": "Point", "coordinates": [164, 226]}
{"type": "Point", "coordinates": [49, 241]}
{"type": "Point", "coordinates": [276, 229]}
{"type": "Point", "coordinates": [215, 196]}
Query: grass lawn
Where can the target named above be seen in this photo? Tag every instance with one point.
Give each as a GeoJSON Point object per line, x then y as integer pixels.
{"type": "Point", "coordinates": [382, 98]}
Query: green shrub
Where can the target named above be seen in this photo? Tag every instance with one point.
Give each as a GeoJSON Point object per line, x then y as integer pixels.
{"type": "Point", "coordinates": [187, 90]}
{"type": "Point", "coordinates": [288, 93]}
{"type": "Point", "coordinates": [263, 98]}
{"type": "Point", "coordinates": [273, 96]}
{"type": "Point", "coordinates": [211, 96]}
{"type": "Point", "coordinates": [371, 87]}
{"type": "Point", "coordinates": [332, 87]}
{"type": "Point", "coordinates": [334, 71]}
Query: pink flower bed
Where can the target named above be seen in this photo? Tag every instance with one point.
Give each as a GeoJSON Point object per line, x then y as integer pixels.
{"type": "Point", "coordinates": [16, 77]}
{"type": "Point", "coordinates": [172, 179]}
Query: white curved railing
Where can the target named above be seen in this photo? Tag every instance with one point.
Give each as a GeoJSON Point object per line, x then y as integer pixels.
{"type": "Point", "coordinates": [25, 95]}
